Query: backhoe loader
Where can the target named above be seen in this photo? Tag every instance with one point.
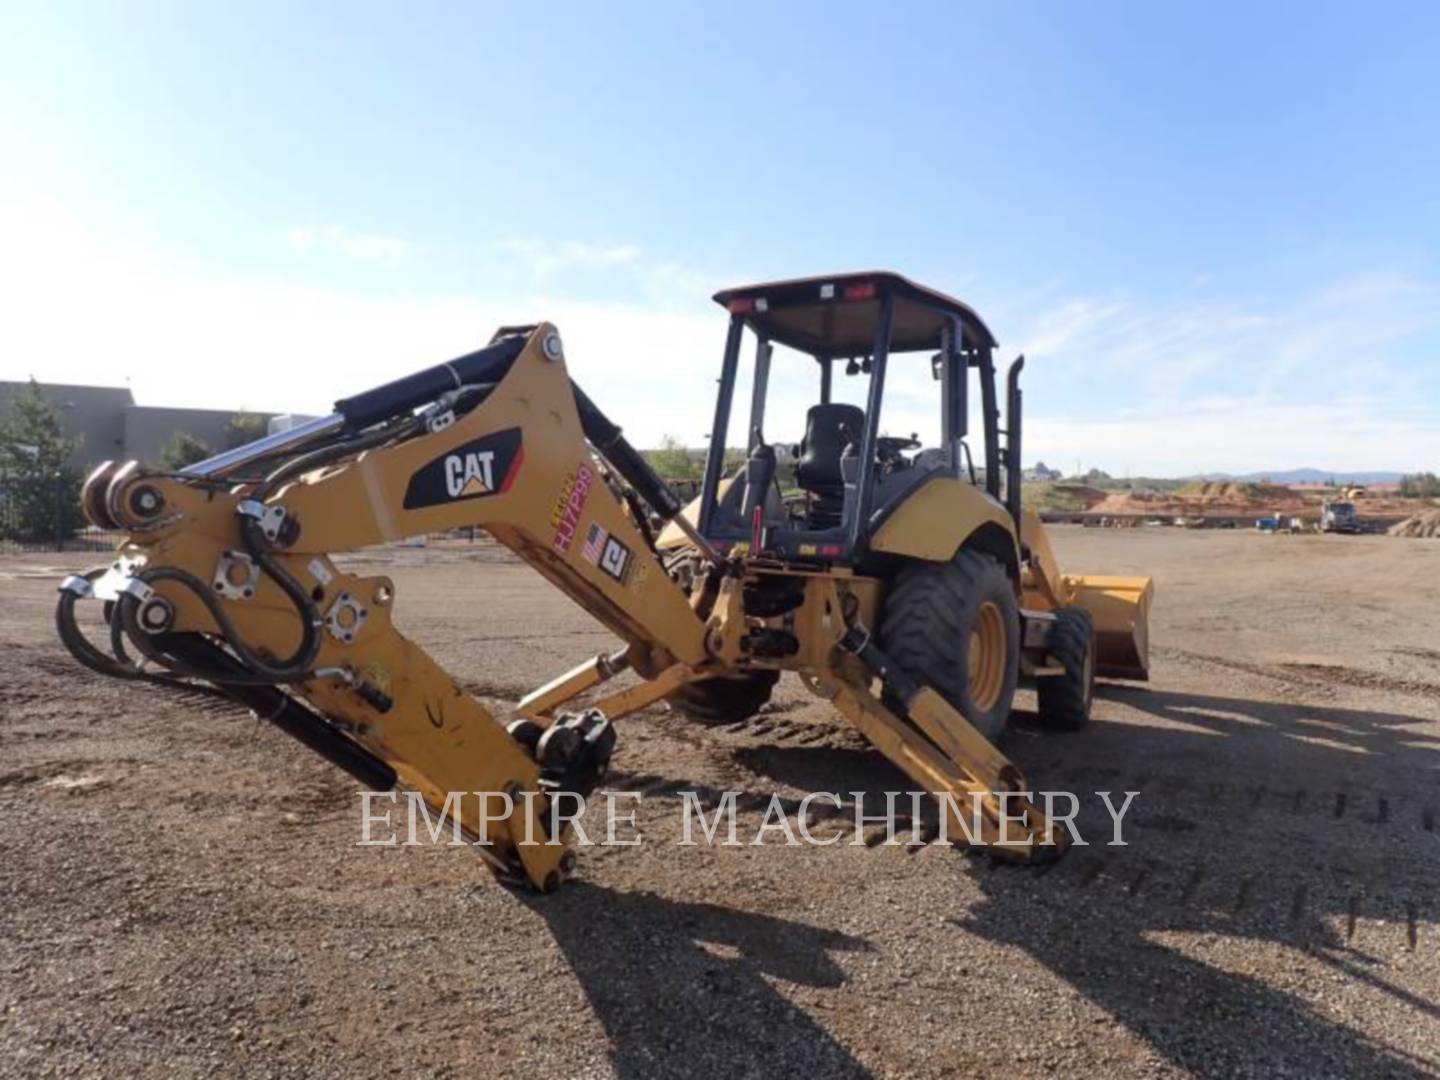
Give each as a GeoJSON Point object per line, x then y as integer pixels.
{"type": "Point", "coordinates": [898, 582]}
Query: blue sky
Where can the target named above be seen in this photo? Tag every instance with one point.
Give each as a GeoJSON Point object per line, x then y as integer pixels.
{"type": "Point", "coordinates": [1212, 228]}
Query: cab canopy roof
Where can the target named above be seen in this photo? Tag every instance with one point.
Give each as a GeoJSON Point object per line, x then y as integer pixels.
{"type": "Point", "coordinates": [835, 316]}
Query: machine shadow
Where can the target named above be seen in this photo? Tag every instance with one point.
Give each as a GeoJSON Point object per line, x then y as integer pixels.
{"type": "Point", "coordinates": [1384, 737]}
{"type": "Point", "coordinates": [1098, 933]}
{"type": "Point", "coordinates": [683, 989]}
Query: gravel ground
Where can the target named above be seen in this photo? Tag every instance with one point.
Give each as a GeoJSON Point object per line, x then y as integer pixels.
{"type": "Point", "coordinates": [181, 891]}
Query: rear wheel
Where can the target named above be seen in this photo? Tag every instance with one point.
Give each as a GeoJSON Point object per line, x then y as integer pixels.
{"type": "Point", "coordinates": [1064, 700]}
{"type": "Point", "coordinates": [956, 627]}
{"type": "Point", "coordinates": [725, 699]}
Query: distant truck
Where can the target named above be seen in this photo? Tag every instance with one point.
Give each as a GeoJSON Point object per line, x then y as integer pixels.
{"type": "Point", "coordinates": [1338, 517]}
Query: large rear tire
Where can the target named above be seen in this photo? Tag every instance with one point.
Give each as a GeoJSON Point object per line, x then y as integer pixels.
{"type": "Point", "coordinates": [1064, 700]}
{"type": "Point", "coordinates": [725, 699]}
{"type": "Point", "coordinates": [956, 627]}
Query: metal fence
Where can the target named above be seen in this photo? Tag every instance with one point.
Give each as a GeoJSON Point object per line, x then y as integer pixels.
{"type": "Point", "coordinates": [43, 514]}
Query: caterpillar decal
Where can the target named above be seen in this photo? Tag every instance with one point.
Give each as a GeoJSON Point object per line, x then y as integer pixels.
{"type": "Point", "coordinates": [486, 466]}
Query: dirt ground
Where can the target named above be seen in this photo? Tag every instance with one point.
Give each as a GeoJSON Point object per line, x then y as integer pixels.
{"type": "Point", "coordinates": [181, 891]}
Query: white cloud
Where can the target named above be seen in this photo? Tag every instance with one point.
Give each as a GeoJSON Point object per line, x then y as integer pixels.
{"type": "Point", "coordinates": [1240, 435]}
{"type": "Point", "coordinates": [362, 246]}
{"type": "Point", "coordinates": [1199, 385]}
{"type": "Point", "coordinates": [1174, 389]}
{"type": "Point", "coordinates": [543, 260]}
{"type": "Point", "coordinates": [1063, 326]}
{"type": "Point", "coordinates": [79, 309]}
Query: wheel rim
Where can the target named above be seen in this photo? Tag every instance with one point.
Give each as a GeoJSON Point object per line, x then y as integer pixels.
{"type": "Point", "coordinates": [987, 656]}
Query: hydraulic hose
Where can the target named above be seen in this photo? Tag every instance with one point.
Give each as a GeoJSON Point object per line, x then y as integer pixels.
{"type": "Point", "coordinates": [297, 668]}
{"type": "Point", "coordinates": [118, 666]}
{"type": "Point", "coordinates": [324, 455]}
{"type": "Point", "coordinates": [79, 646]}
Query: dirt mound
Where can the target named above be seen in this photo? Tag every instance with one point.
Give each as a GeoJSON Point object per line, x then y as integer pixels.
{"type": "Point", "coordinates": [1129, 502]}
{"type": "Point", "coordinates": [1424, 524]}
{"type": "Point", "coordinates": [1233, 492]}
{"type": "Point", "coordinates": [1081, 493]}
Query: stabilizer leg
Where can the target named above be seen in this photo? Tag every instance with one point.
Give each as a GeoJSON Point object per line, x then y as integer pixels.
{"type": "Point", "coordinates": [984, 796]}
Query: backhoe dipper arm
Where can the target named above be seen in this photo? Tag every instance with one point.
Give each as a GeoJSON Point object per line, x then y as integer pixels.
{"type": "Point", "coordinates": [230, 561]}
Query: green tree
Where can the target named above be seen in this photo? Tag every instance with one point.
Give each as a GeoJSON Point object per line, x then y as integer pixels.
{"type": "Point", "coordinates": [183, 449]}
{"type": "Point", "coordinates": [39, 489]}
{"type": "Point", "coordinates": [673, 461]}
{"type": "Point", "coordinates": [1424, 485]}
{"type": "Point", "coordinates": [244, 428]}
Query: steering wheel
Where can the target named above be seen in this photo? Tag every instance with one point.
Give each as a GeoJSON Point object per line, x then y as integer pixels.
{"type": "Point", "coordinates": [889, 446]}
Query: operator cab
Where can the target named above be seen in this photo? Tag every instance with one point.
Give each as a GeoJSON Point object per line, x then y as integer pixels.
{"type": "Point", "coordinates": [844, 474]}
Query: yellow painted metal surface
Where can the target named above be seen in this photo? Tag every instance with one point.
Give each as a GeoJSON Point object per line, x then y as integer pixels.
{"type": "Point", "coordinates": [936, 519]}
{"type": "Point", "coordinates": [544, 495]}
{"type": "Point", "coordinates": [517, 465]}
{"type": "Point", "coordinates": [1118, 606]}
{"type": "Point", "coordinates": [1120, 609]}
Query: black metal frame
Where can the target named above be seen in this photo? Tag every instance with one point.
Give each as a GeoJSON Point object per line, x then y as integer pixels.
{"type": "Point", "coordinates": [846, 543]}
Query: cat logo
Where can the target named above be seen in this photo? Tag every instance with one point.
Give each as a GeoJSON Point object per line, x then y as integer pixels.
{"type": "Point", "coordinates": [470, 474]}
{"type": "Point", "coordinates": [477, 469]}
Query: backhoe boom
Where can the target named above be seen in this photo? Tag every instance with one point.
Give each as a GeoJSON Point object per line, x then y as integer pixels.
{"type": "Point", "coordinates": [238, 551]}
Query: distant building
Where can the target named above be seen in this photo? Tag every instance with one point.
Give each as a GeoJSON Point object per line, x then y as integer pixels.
{"type": "Point", "coordinates": [111, 426]}
{"type": "Point", "coordinates": [286, 421]}
{"type": "Point", "coordinates": [149, 428]}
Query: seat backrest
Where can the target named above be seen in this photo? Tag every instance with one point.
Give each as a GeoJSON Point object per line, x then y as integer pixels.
{"type": "Point", "coordinates": [828, 430]}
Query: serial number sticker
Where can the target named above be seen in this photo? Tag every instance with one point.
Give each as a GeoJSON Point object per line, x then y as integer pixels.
{"type": "Point", "coordinates": [320, 572]}
{"type": "Point", "coordinates": [569, 505]}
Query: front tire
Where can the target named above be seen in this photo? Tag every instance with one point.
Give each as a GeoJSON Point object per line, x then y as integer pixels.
{"type": "Point", "coordinates": [725, 699]}
{"type": "Point", "coordinates": [956, 627]}
{"type": "Point", "coordinates": [1064, 700]}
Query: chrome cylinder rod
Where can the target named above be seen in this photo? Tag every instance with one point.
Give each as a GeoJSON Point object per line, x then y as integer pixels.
{"type": "Point", "coordinates": [295, 439]}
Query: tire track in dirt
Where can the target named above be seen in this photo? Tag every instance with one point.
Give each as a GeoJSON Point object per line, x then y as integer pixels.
{"type": "Point", "coordinates": [1314, 674]}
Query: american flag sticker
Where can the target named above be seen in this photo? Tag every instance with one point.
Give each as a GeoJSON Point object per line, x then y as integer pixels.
{"type": "Point", "coordinates": [594, 543]}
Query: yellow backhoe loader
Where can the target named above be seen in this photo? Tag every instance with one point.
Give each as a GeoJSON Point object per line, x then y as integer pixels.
{"type": "Point", "coordinates": [898, 582]}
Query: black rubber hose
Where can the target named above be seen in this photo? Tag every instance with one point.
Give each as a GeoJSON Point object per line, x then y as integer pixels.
{"type": "Point", "coordinates": [117, 640]}
{"type": "Point", "coordinates": [293, 670]}
{"type": "Point", "coordinates": [78, 645]}
{"type": "Point", "coordinates": [149, 646]}
{"type": "Point", "coordinates": [296, 667]}
{"type": "Point", "coordinates": [323, 455]}
{"type": "Point", "coordinates": [120, 666]}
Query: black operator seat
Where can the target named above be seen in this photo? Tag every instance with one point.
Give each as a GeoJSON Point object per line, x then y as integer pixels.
{"type": "Point", "coordinates": [828, 430]}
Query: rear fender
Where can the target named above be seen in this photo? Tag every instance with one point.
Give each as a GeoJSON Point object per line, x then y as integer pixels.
{"type": "Point", "coordinates": [942, 516]}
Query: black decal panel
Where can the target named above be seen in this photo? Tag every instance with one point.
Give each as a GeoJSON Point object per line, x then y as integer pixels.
{"type": "Point", "coordinates": [473, 470]}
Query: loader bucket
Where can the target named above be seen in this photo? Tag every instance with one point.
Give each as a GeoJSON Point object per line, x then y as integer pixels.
{"type": "Point", "coordinates": [1120, 609]}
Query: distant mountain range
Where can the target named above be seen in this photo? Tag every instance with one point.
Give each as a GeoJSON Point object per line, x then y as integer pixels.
{"type": "Point", "coordinates": [1306, 476]}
